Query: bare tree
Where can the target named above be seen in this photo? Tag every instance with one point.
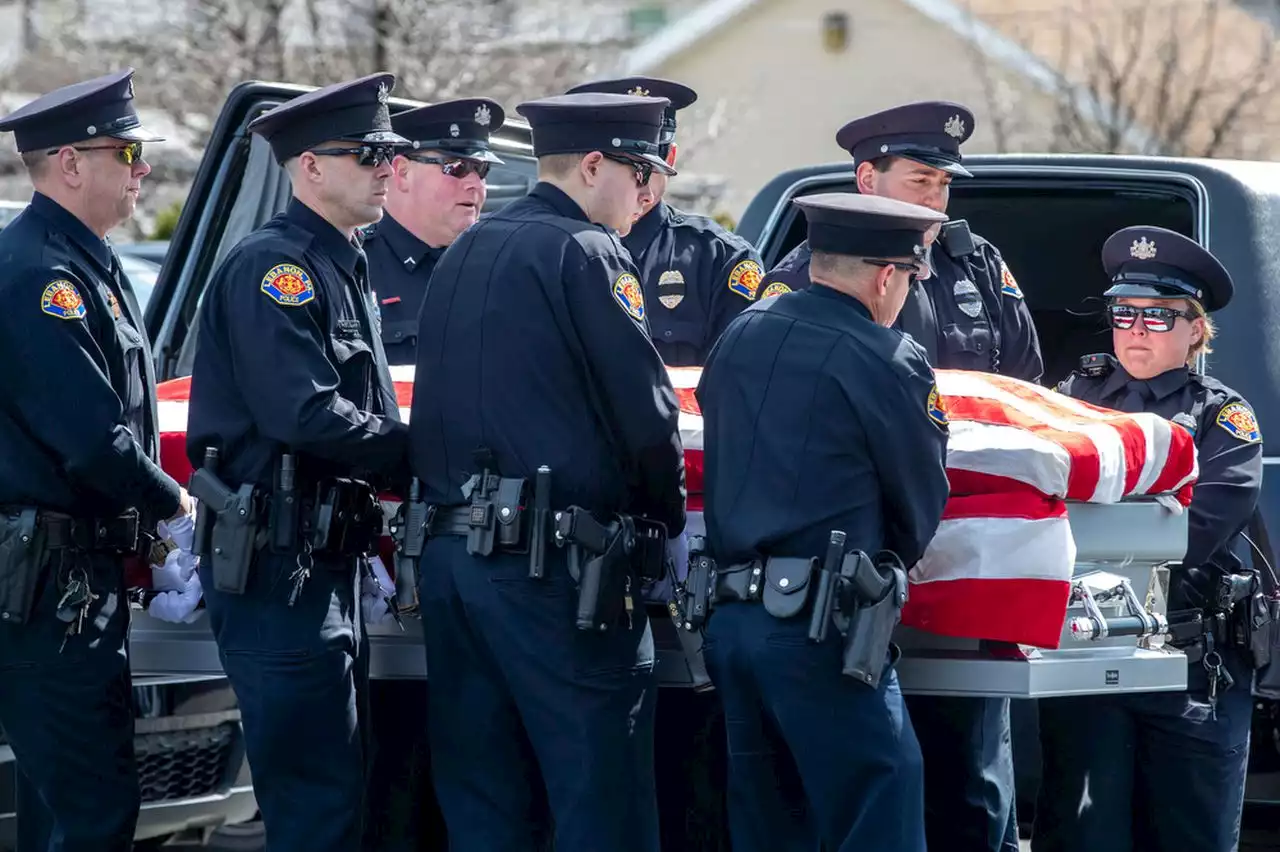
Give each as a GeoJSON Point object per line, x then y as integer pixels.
{"type": "Point", "coordinates": [1177, 77]}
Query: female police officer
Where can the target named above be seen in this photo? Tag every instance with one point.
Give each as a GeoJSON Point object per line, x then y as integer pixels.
{"type": "Point", "coordinates": [1164, 771]}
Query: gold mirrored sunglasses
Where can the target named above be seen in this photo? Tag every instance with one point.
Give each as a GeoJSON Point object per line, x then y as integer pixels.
{"type": "Point", "coordinates": [131, 153]}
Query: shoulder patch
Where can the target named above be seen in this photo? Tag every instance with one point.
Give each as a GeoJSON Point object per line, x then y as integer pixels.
{"type": "Point", "coordinates": [1008, 284]}
{"type": "Point", "coordinates": [288, 285]}
{"type": "Point", "coordinates": [1237, 419]}
{"type": "Point", "coordinates": [777, 288]}
{"type": "Point", "coordinates": [937, 411]}
{"type": "Point", "coordinates": [61, 299]}
{"type": "Point", "coordinates": [745, 279]}
{"type": "Point", "coordinates": [627, 292]}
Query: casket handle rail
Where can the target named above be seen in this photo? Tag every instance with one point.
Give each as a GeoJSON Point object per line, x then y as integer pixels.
{"type": "Point", "coordinates": [1102, 587]}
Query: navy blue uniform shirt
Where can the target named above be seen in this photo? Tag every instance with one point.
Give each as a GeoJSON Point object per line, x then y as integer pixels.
{"type": "Point", "coordinates": [533, 343]}
{"type": "Point", "coordinates": [289, 360]}
{"type": "Point", "coordinates": [818, 419]}
{"type": "Point", "coordinates": [951, 313]}
{"type": "Point", "coordinates": [1228, 445]}
{"type": "Point", "coordinates": [400, 266]}
{"type": "Point", "coordinates": [77, 394]}
{"type": "Point", "coordinates": [697, 277]}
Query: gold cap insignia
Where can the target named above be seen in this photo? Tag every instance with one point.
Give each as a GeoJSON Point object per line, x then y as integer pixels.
{"type": "Point", "coordinates": [1143, 249]}
{"type": "Point", "coordinates": [640, 91]}
{"type": "Point", "coordinates": [954, 127]}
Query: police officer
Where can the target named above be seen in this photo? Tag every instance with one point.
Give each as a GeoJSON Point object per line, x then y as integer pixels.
{"type": "Point", "coordinates": [290, 364]}
{"type": "Point", "coordinates": [696, 275]}
{"type": "Point", "coordinates": [817, 758]}
{"type": "Point", "coordinates": [80, 483]}
{"type": "Point", "coordinates": [541, 356]}
{"type": "Point", "coordinates": [969, 314]}
{"type": "Point", "coordinates": [1165, 771]}
{"type": "Point", "coordinates": [436, 193]}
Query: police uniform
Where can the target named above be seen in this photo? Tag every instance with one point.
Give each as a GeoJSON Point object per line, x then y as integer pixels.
{"type": "Point", "coordinates": [290, 362]}
{"type": "Point", "coordinates": [814, 363]}
{"type": "Point", "coordinates": [542, 358]}
{"type": "Point", "coordinates": [400, 264]}
{"type": "Point", "coordinates": [970, 313]}
{"type": "Point", "coordinates": [696, 275]}
{"type": "Point", "coordinates": [79, 477]}
{"type": "Point", "coordinates": [1165, 771]}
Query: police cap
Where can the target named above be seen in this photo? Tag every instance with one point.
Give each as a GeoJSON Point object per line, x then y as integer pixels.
{"type": "Point", "coordinates": [679, 95]}
{"type": "Point", "coordinates": [460, 127]}
{"type": "Point", "coordinates": [355, 111]}
{"type": "Point", "coordinates": [1155, 263]}
{"type": "Point", "coordinates": [626, 125]}
{"type": "Point", "coordinates": [859, 225]}
{"type": "Point", "coordinates": [928, 132]}
{"type": "Point", "coordinates": [101, 107]}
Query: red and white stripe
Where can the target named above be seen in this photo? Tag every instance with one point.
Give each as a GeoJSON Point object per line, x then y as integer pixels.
{"type": "Point", "coordinates": [1000, 564]}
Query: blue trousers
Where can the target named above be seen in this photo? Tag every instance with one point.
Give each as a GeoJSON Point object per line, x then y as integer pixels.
{"type": "Point", "coordinates": [69, 717]}
{"type": "Point", "coordinates": [815, 758]}
{"type": "Point", "coordinates": [969, 800]}
{"type": "Point", "coordinates": [1145, 772]}
{"type": "Point", "coordinates": [300, 675]}
{"type": "Point", "coordinates": [526, 712]}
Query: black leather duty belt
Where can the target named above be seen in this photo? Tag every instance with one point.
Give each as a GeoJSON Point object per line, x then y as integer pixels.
{"type": "Point", "coordinates": [120, 534]}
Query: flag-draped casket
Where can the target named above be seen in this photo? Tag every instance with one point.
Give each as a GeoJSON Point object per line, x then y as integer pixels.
{"type": "Point", "coordinates": [1000, 564]}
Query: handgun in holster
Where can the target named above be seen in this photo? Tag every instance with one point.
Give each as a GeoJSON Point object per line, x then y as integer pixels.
{"type": "Point", "coordinates": [409, 531]}
{"type": "Point", "coordinates": [599, 558]}
{"type": "Point", "coordinates": [226, 541]}
{"type": "Point", "coordinates": [691, 604]}
{"type": "Point", "coordinates": [497, 509]}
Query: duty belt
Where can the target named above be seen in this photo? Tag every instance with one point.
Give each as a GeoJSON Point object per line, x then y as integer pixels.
{"type": "Point", "coordinates": [119, 534]}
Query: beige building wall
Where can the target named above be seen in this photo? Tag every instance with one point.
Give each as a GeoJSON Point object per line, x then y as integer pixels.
{"type": "Point", "coordinates": [774, 97]}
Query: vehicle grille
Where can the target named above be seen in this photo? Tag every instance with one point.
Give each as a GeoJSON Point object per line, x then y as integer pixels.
{"type": "Point", "coordinates": [185, 764]}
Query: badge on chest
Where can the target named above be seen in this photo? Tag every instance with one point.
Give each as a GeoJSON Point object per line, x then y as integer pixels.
{"type": "Point", "coordinates": [968, 299]}
{"type": "Point", "coordinates": [671, 288]}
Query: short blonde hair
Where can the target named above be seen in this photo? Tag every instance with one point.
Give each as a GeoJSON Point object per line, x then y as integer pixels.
{"type": "Point", "coordinates": [559, 166]}
{"type": "Point", "coordinates": [1202, 346]}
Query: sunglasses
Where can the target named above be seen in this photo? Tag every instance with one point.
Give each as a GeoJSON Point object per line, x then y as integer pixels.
{"type": "Point", "coordinates": [644, 170]}
{"type": "Point", "coordinates": [1155, 319]}
{"type": "Point", "coordinates": [454, 167]}
{"type": "Point", "coordinates": [129, 154]}
{"type": "Point", "coordinates": [917, 269]}
{"type": "Point", "coordinates": [366, 155]}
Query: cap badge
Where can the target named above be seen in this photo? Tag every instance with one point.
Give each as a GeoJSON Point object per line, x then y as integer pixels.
{"type": "Point", "coordinates": [482, 115]}
{"type": "Point", "coordinates": [383, 93]}
{"type": "Point", "coordinates": [454, 131]}
{"type": "Point", "coordinates": [129, 91]}
{"type": "Point", "coordinates": [954, 127]}
{"type": "Point", "coordinates": [639, 91]}
{"type": "Point", "coordinates": [1143, 249]}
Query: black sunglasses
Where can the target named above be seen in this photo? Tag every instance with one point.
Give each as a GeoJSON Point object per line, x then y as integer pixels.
{"type": "Point", "coordinates": [1154, 319]}
{"type": "Point", "coordinates": [644, 170]}
{"type": "Point", "coordinates": [366, 155]}
{"type": "Point", "coordinates": [916, 269]}
{"type": "Point", "coordinates": [129, 154]}
{"type": "Point", "coordinates": [454, 167]}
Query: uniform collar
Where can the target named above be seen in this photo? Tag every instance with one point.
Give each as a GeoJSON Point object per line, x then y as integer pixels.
{"type": "Point", "coordinates": [825, 292]}
{"type": "Point", "coordinates": [644, 231]}
{"type": "Point", "coordinates": [558, 200]}
{"type": "Point", "coordinates": [406, 247]}
{"type": "Point", "coordinates": [1165, 384]}
{"type": "Point", "coordinates": [68, 223]}
{"type": "Point", "coordinates": [339, 248]}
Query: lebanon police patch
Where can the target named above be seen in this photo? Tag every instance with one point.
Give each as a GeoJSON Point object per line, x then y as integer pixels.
{"type": "Point", "coordinates": [745, 279]}
{"type": "Point", "coordinates": [937, 413]}
{"type": "Point", "coordinates": [627, 291]}
{"type": "Point", "coordinates": [61, 299]}
{"type": "Point", "coordinates": [777, 288]}
{"type": "Point", "coordinates": [1240, 422]}
{"type": "Point", "coordinates": [288, 285]}
{"type": "Point", "coordinates": [1008, 284]}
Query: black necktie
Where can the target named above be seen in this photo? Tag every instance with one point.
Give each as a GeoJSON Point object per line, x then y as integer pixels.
{"type": "Point", "coordinates": [1135, 398]}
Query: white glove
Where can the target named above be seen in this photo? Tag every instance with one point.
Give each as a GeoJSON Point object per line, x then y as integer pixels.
{"type": "Point", "coordinates": [176, 572]}
{"type": "Point", "coordinates": [678, 551]}
{"type": "Point", "coordinates": [374, 592]}
{"type": "Point", "coordinates": [179, 606]}
{"type": "Point", "coordinates": [181, 531]}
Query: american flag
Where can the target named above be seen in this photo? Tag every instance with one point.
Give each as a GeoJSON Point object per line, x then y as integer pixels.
{"type": "Point", "coordinates": [1017, 455]}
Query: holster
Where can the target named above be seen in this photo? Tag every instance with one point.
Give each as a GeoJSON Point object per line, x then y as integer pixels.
{"type": "Point", "coordinates": [22, 553]}
{"type": "Point", "coordinates": [600, 561]}
{"type": "Point", "coordinates": [786, 587]}
{"type": "Point", "coordinates": [231, 523]}
{"type": "Point", "coordinates": [690, 605]}
{"type": "Point", "coordinates": [345, 520]}
{"type": "Point", "coordinates": [872, 595]}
